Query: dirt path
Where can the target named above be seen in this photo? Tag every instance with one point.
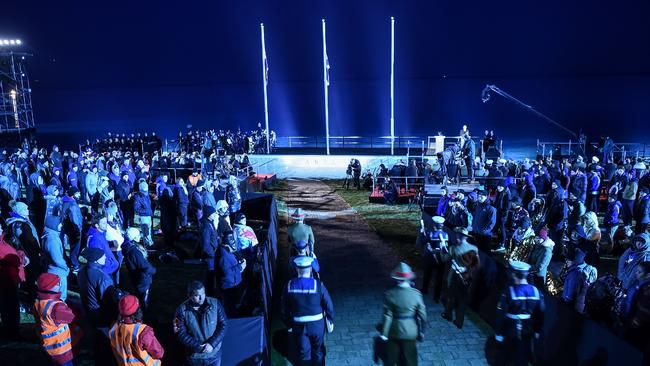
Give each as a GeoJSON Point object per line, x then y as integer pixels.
{"type": "Point", "coordinates": [355, 267]}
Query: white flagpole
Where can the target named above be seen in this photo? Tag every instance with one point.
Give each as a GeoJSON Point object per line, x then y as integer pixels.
{"type": "Point", "coordinates": [265, 78]}
{"type": "Point", "coordinates": [325, 88]}
{"type": "Point", "coordinates": [392, 86]}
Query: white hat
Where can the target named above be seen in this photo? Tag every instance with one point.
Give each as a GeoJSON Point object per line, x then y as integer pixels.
{"type": "Point", "coordinates": [489, 161]}
{"type": "Point", "coordinates": [438, 219]}
{"type": "Point", "coordinates": [595, 159]}
{"type": "Point", "coordinates": [132, 233]}
{"type": "Point", "coordinates": [639, 166]}
{"type": "Point", "coordinates": [502, 161]}
{"type": "Point", "coordinates": [303, 261]}
{"type": "Point", "coordinates": [477, 159]}
{"type": "Point", "coordinates": [519, 266]}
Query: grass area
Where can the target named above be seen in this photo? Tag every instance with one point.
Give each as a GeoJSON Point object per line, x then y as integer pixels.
{"type": "Point", "coordinates": [395, 224]}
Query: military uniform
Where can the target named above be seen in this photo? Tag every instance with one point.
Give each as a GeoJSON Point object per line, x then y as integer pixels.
{"type": "Point", "coordinates": [432, 259]}
{"type": "Point", "coordinates": [301, 231]}
{"type": "Point", "coordinates": [520, 316]}
{"type": "Point", "coordinates": [307, 309]}
{"type": "Point", "coordinates": [464, 261]}
{"type": "Point", "coordinates": [404, 309]}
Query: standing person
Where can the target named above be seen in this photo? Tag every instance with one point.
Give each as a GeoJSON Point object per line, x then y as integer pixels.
{"type": "Point", "coordinates": [72, 224]}
{"type": "Point", "coordinates": [141, 271]}
{"type": "Point", "coordinates": [229, 274]}
{"type": "Point", "coordinates": [133, 342]}
{"type": "Point", "coordinates": [628, 198]}
{"type": "Point", "coordinates": [556, 218]}
{"type": "Point", "coordinates": [611, 219]}
{"type": "Point", "coordinates": [21, 234]}
{"type": "Point", "coordinates": [464, 261]}
{"type": "Point", "coordinates": [168, 217]}
{"type": "Point", "coordinates": [642, 211]}
{"type": "Point", "coordinates": [95, 287]}
{"type": "Point", "coordinates": [12, 274]}
{"type": "Point", "coordinates": [92, 185]}
{"type": "Point", "coordinates": [484, 220]}
{"type": "Point", "coordinates": [520, 316]}
{"type": "Point", "coordinates": [308, 311]}
{"type": "Point", "coordinates": [443, 202]}
{"type": "Point", "coordinates": [299, 230]}
{"type": "Point", "coordinates": [209, 244]}
{"type": "Point", "coordinates": [59, 333]}
{"type": "Point", "coordinates": [196, 203]}
{"type": "Point", "coordinates": [540, 257]}
{"type": "Point", "coordinates": [142, 208]}
{"type": "Point", "coordinates": [433, 265]}
{"type": "Point", "coordinates": [123, 198]}
{"type": "Point", "coordinates": [577, 280]}
{"type": "Point", "coordinates": [404, 314]}
{"type": "Point", "coordinates": [181, 198]}
{"type": "Point", "coordinates": [469, 153]}
{"type": "Point", "coordinates": [54, 249]}
{"type": "Point", "coordinates": [593, 189]}
{"type": "Point", "coordinates": [233, 196]}
{"type": "Point", "coordinates": [96, 237]}
{"type": "Point", "coordinates": [637, 312]}
{"type": "Point", "coordinates": [200, 324]}
{"type": "Point", "coordinates": [302, 250]}
{"type": "Point", "coordinates": [502, 207]}
{"type": "Point", "coordinates": [245, 237]}
{"type": "Point", "coordinates": [633, 256]}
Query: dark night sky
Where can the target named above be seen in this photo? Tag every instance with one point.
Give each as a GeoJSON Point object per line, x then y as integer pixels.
{"type": "Point", "coordinates": [163, 64]}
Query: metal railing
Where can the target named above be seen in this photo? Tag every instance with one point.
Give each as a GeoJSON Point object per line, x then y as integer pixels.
{"type": "Point", "coordinates": [361, 142]}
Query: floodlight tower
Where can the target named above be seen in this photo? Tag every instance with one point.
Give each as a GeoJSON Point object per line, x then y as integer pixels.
{"type": "Point", "coordinates": [16, 114]}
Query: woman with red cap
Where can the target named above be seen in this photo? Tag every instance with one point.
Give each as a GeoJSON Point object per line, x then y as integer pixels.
{"type": "Point", "coordinates": [133, 342]}
{"type": "Point", "coordinates": [12, 273]}
{"type": "Point", "coordinates": [59, 334]}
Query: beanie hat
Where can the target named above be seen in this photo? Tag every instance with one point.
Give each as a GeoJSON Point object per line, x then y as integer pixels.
{"type": "Point", "coordinates": [47, 281]}
{"type": "Point", "coordinates": [239, 217]}
{"type": "Point", "coordinates": [579, 257]}
{"type": "Point", "coordinates": [543, 233]}
{"type": "Point", "coordinates": [20, 208]}
{"type": "Point", "coordinates": [129, 304]}
{"type": "Point", "coordinates": [132, 233]}
{"type": "Point", "coordinates": [92, 254]}
{"type": "Point", "coordinates": [143, 186]}
{"type": "Point", "coordinates": [208, 211]}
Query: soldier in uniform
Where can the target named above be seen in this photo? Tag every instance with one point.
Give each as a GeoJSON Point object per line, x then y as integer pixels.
{"type": "Point", "coordinates": [520, 316]}
{"type": "Point", "coordinates": [433, 250]}
{"type": "Point", "coordinates": [464, 261]}
{"type": "Point", "coordinates": [299, 230]}
{"type": "Point", "coordinates": [302, 249]}
{"type": "Point", "coordinates": [308, 311]}
{"type": "Point", "coordinates": [404, 314]}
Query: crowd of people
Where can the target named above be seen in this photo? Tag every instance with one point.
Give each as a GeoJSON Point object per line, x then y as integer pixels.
{"type": "Point", "coordinates": [227, 142]}
{"type": "Point", "coordinates": [81, 218]}
{"type": "Point", "coordinates": [554, 219]}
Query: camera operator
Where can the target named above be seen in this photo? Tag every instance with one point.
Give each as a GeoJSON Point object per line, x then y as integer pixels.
{"type": "Point", "coordinates": [355, 168]}
{"type": "Point", "coordinates": [367, 180]}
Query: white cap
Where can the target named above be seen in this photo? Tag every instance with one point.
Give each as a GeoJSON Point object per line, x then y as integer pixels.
{"type": "Point", "coordinates": [489, 161]}
{"type": "Point", "coordinates": [595, 159]}
{"type": "Point", "coordinates": [438, 219]}
{"type": "Point", "coordinates": [303, 261]}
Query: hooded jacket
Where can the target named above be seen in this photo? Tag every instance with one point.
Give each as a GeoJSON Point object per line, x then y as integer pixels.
{"type": "Point", "coordinates": [141, 201]}
{"type": "Point", "coordinates": [631, 258]}
{"type": "Point", "coordinates": [97, 239]}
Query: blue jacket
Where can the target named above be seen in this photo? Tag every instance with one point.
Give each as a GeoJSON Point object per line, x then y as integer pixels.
{"type": "Point", "coordinates": [593, 183]}
{"type": "Point", "coordinates": [443, 203]}
{"type": "Point", "coordinates": [612, 213]}
{"type": "Point", "coordinates": [70, 210]}
{"type": "Point", "coordinates": [484, 219]}
{"type": "Point", "coordinates": [209, 237]}
{"type": "Point", "coordinates": [142, 204]}
{"type": "Point", "coordinates": [642, 210]}
{"type": "Point", "coordinates": [54, 249]}
{"type": "Point", "coordinates": [140, 270]}
{"type": "Point", "coordinates": [97, 239]}
{"type": "Point", "coordinates": [180, 196]}
{"type": "Point", "coordinates": [229, 269]}
{"type": "Point", "coordinates": [578, 186]}
{"type": "Point", "coordinates": [93, 284]}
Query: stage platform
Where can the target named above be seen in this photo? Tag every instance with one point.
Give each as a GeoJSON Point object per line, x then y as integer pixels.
{"type": "Point", "coordinates": [319, 166]}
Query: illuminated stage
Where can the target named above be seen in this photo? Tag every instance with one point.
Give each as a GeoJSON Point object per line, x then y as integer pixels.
{"type": "Point", "coordinates": [319, 166]}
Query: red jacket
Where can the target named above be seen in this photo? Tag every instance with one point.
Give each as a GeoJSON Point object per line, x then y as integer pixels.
{"type": "Point", "coordinates": [12, 265]}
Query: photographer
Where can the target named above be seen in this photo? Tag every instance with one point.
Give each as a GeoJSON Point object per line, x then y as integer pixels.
{"type": "Point", "coordinates": [355, 168]}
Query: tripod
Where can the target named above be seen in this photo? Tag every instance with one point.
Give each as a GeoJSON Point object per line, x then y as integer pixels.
{"type": "Point", "coordinates": [346, 182]}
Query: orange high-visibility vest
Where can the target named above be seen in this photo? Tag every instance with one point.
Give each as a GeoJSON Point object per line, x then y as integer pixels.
{"type": "Point", "coordinates": [127, 351]}
{"type": "Point", "coordinates": [55, 339]}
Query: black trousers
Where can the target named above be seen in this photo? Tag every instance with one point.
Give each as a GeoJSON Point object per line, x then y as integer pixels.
{"type": "Point", "coordinates": [431, 269]}
{"type": "Point", "coordinates": [483, 242]}
{"type": "Point", "coordinates": [401, 352]}
{"type": "Point", "coordinates": [456, 299]}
